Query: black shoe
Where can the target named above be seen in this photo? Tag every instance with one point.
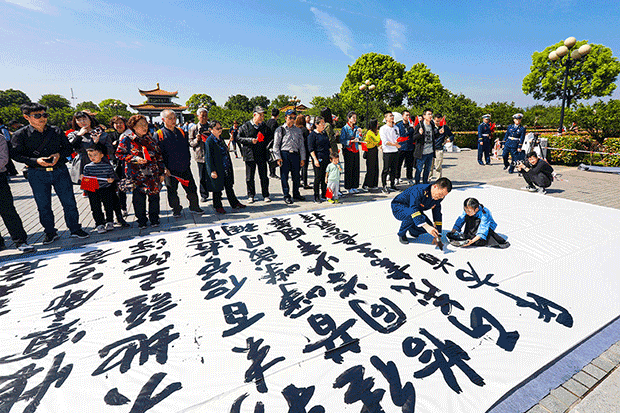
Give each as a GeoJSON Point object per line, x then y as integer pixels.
{"type": "Point", "coordinates": [288, 200]}
{"type": "Point", "coordinates": [142, 226]}
{"type": "Point", "coordinates": [196, 211]}
{"type": "Point", "coordinates": [317, 200]}
{"type": "Point", "coordinates": [24, 247]}
{"type": "Point", "coordinates": [123, 224]}
{"type": "Point", "coordinates": [176, 214]}
{"type": "Point", "coordinates": [506, 167]}
{"type": "Point", "coordinates": [307, 187]}
{"type": "Point", "coordinates": [299, 197]}
{"type": "Point", "coordinates": [80, 233]}
{"type": "Point", "coordinates": [481, 163]}
{"type": "Point", "coordinates": [403, 239]}
{"type": "Point", "coordinates": [385, 190]}
{"type": "Point", "coordinates": [50, 237]}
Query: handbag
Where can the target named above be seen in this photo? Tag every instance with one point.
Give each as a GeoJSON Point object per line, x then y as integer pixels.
{"type": "Point", "coordinates": [74, 169]}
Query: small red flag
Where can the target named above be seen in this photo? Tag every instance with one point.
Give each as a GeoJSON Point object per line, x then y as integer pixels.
{"type": "Point", "coordinates": [442, 122]}
{"type": "Point", "coordinates": [146, 154]}
{"type": "Point", "coordinates": [402, 139]}
{"type": "Point", "coordinates": [492, 127]}
{"type": "Point", "coordinates": [204, 137]}
{"type": "Point", "coordinates": [184, 182]}
{"type": "Point", "coordinates": [90, 184]}
{"type": "Point", "coordinates": [417, 121]}
{"type": "Point", "coordinates": [261, 137]}
{"type": "Point", "coordinates": [364, 147]}
{"type": "Point", "coordinates": [329, 194]}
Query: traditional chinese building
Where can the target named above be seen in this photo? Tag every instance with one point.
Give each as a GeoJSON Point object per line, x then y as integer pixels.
{"type": "Point", "coordinates": [158, 100]}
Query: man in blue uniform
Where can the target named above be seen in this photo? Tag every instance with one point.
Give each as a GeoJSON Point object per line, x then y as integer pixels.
{"type": "Point", "coordinates": [484, 140]}
{"type": "Point", "coordinates": [513, 141]}
{"type": "Point", "coordinates": [409, 205]}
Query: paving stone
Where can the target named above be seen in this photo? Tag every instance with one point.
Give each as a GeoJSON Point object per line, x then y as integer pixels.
{"type": "Point", "coordinates": [575, 387]}
{"type": "Point", "coordinates": [594, 371]}
{"type": "Point", "coordinates": [603, 363]}
{"type": "Point", "coordinates": [564, 396]}
{"type": "Point", "coordinates": [554, 405]}
{"type": "Point", "coordinates": [612, 356]}
{"type": "Point", "coordinates": [585, 379]}
{"type": "Point", "coordinates": [537, 409]}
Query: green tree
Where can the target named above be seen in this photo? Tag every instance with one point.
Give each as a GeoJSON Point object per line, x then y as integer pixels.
{"type": "Point", "coordinates": [384, 72]}
{"type": "Point", "coordinates": [13, 97]}
{"type": "Point", "coordinates": [334, 103]}
{"type": "Point", "coordinates": [501, 112]}
{"type": "Point", "coordinates": [601, 120]}
{"type": "Point", "coordinates": [542, 116]}
{"type": "Point", "coordinates": [238, 102]}
{"type": "Point", "coordinates": [281, 101]}
{"type": "Point", "coordinates": [226, 116]}
{"type": "Point", "coordinates": [423, 86]}
{"type": "Point", "coordinates": [88, 106]}
{"type": "Point", "coordinates": [54, 101]}
{"type": "Point", "coordinates": [60, 117]}
{"type": "Point", "coordinates": [462, 113]}
{"type": "Point", "coordinates": [261, 101]}
{"type": "Point", "coordinates": [593, 75]}
{"type": "Point", "coordinates": [199, 100]}
{"type": "Point", "coordinates": [111, 108]}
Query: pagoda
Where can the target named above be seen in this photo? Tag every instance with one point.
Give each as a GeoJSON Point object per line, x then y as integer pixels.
{"type": "Point", "coordinates": [158, 100]}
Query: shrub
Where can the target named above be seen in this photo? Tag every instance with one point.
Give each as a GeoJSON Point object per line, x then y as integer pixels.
{"type": "Point", "coordinates": [570, 141]}
{"type": "Point", "coordinates": [611, 145]}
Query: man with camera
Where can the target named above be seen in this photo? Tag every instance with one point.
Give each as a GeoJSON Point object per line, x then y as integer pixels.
{"type": "Point", "coordinates": [536, 172]}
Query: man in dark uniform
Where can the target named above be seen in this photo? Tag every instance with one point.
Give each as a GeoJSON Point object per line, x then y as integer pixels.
{"type": "Point", "coordinates": [484, 140]}
{"type": "Point", "coordinates": [513, 141]}
{"type": "Point", "coordinates": [409, 205]}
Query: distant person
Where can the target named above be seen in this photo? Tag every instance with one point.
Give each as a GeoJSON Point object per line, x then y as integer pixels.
{"type": "Point", "coordinates": [405, 152]}
{"type": "Point", "coordinates": [198, 134]}
{"type": "Point", "coordinates": [537, 173]}
{"type": "Point", "coordinates": [318, 145]}
{"type": "Point", "coordinates": [409, 206]}
{"type": "Point", "coordinates": [174, 148]}
{"type": "Point", "coordinates": [45, 150]}
{"type": "Point", "coordinates": [484, 140]}
{"type": "Point", "coordinates": [513, 143]}
{"type": "Point", "coordinates": [332, 178]}
{"type": "Point", "coordinates": [424, 152]}
{"type": "Point", "coordinates": [144, 167]}
{"type": "Point", "coordinates": [445, 135]}
{"type": "Point", "coordinates": [290, 151]}
{"type": "Point", "coordinates": [479, 227]}
{"type": "Point", "coordinates": [300, 122]}
{"type": "Point", "coordinates": [219, 169]}
{"type": "Point", "coordinates": [272, 124]}
{"type": "Point", "coordinates": [234, 130]}
{"type": "Point", "coordinates": [388, 134]}
{"type": "Point", "coordinates": [372, 141]}
{"type": "Point", "coordinates": [254, 137]}
{"type": "Point", "coordinates": [350, 140]}
{"type": "Point", "coordinates": [326, 113]}
{"type": "Point", "coordinates": [12, 221]}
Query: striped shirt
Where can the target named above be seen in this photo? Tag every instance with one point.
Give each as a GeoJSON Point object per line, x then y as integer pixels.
{"type": "Point", "coordinates": [100, 170]}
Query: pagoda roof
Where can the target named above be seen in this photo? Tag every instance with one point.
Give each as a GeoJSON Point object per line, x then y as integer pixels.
{"type": "Point", "coordinates": [157, 92]}
{"type": "Point", "coordinates": [298, 108]}
{"type": "Point", "coordinates": [148, 106]}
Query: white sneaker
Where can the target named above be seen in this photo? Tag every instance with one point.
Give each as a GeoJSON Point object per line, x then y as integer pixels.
{"type": "Point", "coordinates": [25, 248]}
{"type": "Point", "coordinates": [541, 191]}
{"type": "Point", "coordinates": [267, 199]}
{"type": "Point", "coordinates": [250, 200]}
{"type": "Point", "coordinates": [109, 226]}
{"type": "Point", "coordinates": [100, 229]}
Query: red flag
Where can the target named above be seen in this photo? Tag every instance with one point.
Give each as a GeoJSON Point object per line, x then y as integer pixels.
{"type": "Point", "coordinates": [90, 184]}
{"type": "Point", "coordinates": [146, 154]}
{"type": "Point", "coordinates": [184, 182]}
{"type": "Point", "coordinates": [364, 147]}
{"type": "Point", "coordinates": [402, 139]}
{"type": "Point", "coordinates": [492, 127]}
{"type": "Point", "coordinates": [329, 194]}
{"type": "Point", "coordinates": [261, 137]}
{"type": "Point", "coordinates": [204, 137]}
{"type": "Point", "coordinates": [442, 122]}
{"type": "Point", "coordinates": [417, 121]}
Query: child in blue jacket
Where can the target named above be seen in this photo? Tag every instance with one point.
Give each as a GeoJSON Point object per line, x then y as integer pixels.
{"type": "Point", "coordinates": [479, 227]}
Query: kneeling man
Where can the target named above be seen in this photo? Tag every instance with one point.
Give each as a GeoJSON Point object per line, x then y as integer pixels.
{"type": "Point", "coordinates": [409, 205]}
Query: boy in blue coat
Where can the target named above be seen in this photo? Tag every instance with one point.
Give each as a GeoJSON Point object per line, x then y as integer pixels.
{"type": "Point", "coordinates": [479, 227]}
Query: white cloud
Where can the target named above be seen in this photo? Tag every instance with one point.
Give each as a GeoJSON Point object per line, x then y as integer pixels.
{"type": "Point", "coordinates": [36, 5]}
{"type": "Point", "coordinates": [396, 34]}
{"type": "Point", "coordinates": [338, 32]}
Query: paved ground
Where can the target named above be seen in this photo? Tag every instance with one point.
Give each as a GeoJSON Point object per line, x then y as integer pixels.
{"type": "Point", "coordinates": [461, 168]}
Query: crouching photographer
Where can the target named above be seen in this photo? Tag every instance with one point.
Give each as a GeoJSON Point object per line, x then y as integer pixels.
{"type": "Point", "coordinates": [537, 173]}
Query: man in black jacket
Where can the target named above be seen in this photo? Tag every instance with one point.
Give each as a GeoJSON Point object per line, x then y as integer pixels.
{"type": "Point", "coordinates": [254, 136]}
{"type": "Point", "coordinates": [424, 152]}
{"type": "Point", "coordinates": [536, 172]}
{"type": "Point", "coordinates": [273, 124]}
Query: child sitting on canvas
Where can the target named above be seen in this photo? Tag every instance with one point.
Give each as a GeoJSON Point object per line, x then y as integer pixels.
{"type": "Point", "coordinates": [332, 178]}
{"type": "Point", "coordinates": [479, 227]}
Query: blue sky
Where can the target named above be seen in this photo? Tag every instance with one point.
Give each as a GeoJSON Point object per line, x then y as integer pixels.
{"type": "Point", "coordinates": [105, 49]}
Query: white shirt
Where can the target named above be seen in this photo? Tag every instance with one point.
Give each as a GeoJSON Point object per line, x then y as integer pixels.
{"type": "Point", "coordinates": [388, 134]}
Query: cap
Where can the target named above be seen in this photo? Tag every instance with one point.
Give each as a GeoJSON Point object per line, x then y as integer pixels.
{"type": "Point", "coordinates": [517, 116]}
{"type": "Point", "coordinates": [487, 116]}
{"type": "Point", "coordinates": [259, 109]}
{"type": "Point", "coordinates": [290, 112]}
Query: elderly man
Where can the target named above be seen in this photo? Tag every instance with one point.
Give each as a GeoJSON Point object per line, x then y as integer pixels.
{"type": "Point", "coordinates": [290, 152]}
{"type": "Point", "coordinates": [45, 150]}
{"type": "Point", "coordinates": [174, 148]}
{"type": "Point", "coordinates": [197, 136]}
{"type": "Point", "coordinates": [513, 141]}
{"type": "Point", "coordinates": [255, 136]}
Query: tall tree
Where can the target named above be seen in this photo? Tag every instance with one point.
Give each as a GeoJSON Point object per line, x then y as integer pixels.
{"type": "Point", "coordinates": [54, 101]}
{"type": "Point", "coordinates": [423, 86]}
{"type": "Point", "coordinates": [239, 102]}
{"type": "Point", "coordinates": [261, 101]}
{"type": "Point", "coordinates": [593, 75]}
{"type": "Point", "coordinates": [110, 108]}
{"type": "Point", "coordinates": [281, 101]}
{"type": "Point", "coordinates": [88, 106]}
{"type": "Point", "coordinates": [501, 112]}
{"type": "Point", "coordinates": [199, 100]}
{"type": "Point", "coordinates": [12, 97]}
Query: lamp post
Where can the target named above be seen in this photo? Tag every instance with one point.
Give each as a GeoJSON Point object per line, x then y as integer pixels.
{"type": "Point", "coordinates": [367, 87]}
{"type": "Point", "coordinates": [294, 101]}
{"type": "Point", "coordinates": [572, 57]}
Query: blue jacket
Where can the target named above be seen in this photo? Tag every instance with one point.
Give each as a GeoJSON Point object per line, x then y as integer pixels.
{"type": "Point", "coordinates": [419, 199]}
{"type": "Point", "coordinates": [484, 131]}
{"type": "Point", "coordinates": [346, 135]}
{"type": "Point", "coordinates": [514, 137]}
{"type": "Point", "coordinates": [405, 131]}
{"type": "Point", "coordinates": [486, 222]}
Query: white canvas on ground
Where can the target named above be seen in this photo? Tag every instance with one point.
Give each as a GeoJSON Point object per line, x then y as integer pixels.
{"type": "Point", "coordinates": [320, 311]}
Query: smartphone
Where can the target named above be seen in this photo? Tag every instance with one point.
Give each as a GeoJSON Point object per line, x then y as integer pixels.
{"type": "Point", "coordinates": [49, 159]}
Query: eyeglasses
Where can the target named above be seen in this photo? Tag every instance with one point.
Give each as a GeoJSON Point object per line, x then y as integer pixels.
{"type": "Point", "coordinates": [40, 115]}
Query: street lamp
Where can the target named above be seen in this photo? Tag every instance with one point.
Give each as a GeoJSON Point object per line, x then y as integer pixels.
{"type": "Point", "coordinates": [572, 57]}
{"type": "Point", "coordinates": [294, 101]}
{"type": "Point", "coordinates": [366, 87]}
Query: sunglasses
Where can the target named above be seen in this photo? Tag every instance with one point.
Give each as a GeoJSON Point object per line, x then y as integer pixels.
{"type": "Point", "coordinates": [40, 115]}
